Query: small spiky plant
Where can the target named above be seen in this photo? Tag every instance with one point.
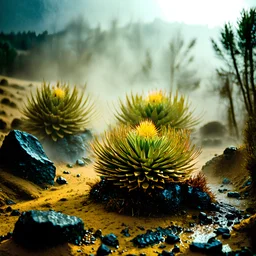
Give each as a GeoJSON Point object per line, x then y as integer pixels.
{"type": "Point", "coordinates": [161, 108]}
{"type": "Point", "coordinates": [144, 157]}
{"type": "Point", "coordinates": [56, 112]}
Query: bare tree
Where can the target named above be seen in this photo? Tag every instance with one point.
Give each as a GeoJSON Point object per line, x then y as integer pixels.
{"type": "Point", "coordinates": [182, 75]}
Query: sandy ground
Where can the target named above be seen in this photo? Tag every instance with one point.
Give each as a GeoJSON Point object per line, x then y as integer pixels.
{"type": "Point", "coordinates": [29, 196]}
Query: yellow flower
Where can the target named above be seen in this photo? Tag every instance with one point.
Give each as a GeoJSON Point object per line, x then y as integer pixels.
{"type": "Point", "coordinates": [58, 92]}
{"type": "Point", "coordinates": [155, 97]}
{"type": "Point", "coordinates": [146, 129]}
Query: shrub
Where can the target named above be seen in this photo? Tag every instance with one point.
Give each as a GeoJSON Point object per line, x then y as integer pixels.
{"type": "Point", "coordinates": [161, 108]}
{"type": "Point", "coordinates": [144, 157]}
{"type": "Point", "coordinates": [56, 112]}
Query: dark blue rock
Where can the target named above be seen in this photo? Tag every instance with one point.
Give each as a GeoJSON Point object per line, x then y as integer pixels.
{"type": "Point", "coordinates": [220, 231]}
{"type": "Point", "coordinates": [154, 237]}
{"type": "Point", "coordinates": [15, 213]}
{"type": "Point", "coordinates": [213, 246]}
{"type": "Point", "coordinates": [125, 232]}
{"type": "Point", "coordinates": [234, 194]}
{"type": "Point", "coordinates": [172, 239]}
{"type": "Point", "coordinates": [226, 181]}
{"type": "Point", "coordinates": [196, 198]}
{"type": "Point", "coordinates": [9, 202]}
{"type": "Point", "coordinates": [110, 240]}
{"type": "Point", "coordinates": [23, 155]}
{"type": "Point", "coordinates": [103, 250]}
{"type": "Point", "coordinates": [170, 198]}
{"type": "Point", "coordinates": [47, 228]}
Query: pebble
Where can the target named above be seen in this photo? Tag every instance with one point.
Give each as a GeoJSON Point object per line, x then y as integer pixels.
{"type": "Point", "coordinates": [234, 194]}
{"type": "Point", "coordinates": [80, 162]}
{"type": "Point", "coordinates": [61, 181]}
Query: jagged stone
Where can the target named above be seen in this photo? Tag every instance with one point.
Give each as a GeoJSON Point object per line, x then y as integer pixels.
{"type": "Point", "coordinates": [47, 228]}
{"type": "Point", "coordinates": [23, 155]}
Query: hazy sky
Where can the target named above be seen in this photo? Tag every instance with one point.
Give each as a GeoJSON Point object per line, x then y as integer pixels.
{"type": "Point", "coordinates": [53, 15]}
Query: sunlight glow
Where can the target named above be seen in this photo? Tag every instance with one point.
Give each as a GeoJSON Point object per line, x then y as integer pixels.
{"type": "Point", "coordinates": [211, 13]}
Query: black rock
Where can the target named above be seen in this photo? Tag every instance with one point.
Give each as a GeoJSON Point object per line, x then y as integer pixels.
{"type": "Point", "coordinates": [226, 235]}
{"type": "Point", "coordinates": [125, 232]}
{"type": "Point", "coordinates": [4, 82]}
{"type": "Point", "coordinates": [23, 155]}
{"type": "Point", "coordinates": [176, 249]}
{"type": "Point", "coordinates": [98, 233]}
{"type": "Point", "coordinates": [7, 102]}
{"type": "Point", "coordinates": [166, 253]}
{"type": "Point", "coordinates": [69, 165]}
{"type": "Point", "coordinates": [226, 181]}
{"type": "Point", "coordinates": [3, 124]}
{"type": "Point", "coordinates": [15, 213]}
{"type": "Point", "coordinates": [213, 247]}
{"type": "Point", "coordinates": [169, 199]}
{"type": "Point", "coordinates": [172, 239]}
{"type": "Point", "coordinates": [220, 231]}
{"type": "Point", "coordinates": [16, 123]}
{"type": "Point", "coordinates": [234, 194]}
{"type": "Point", "coordinates": [103, 250]}
{"type": "Point", "coordinates": [154, 237]}
{"type": "Point", "coordinates": [230, 216]}
{"type": "Point", "coordinates": [196, 198]}
{"type": "Point", "coordinates": [9, 202]}
{"type": "Point", "coordinates": [110, 240]}
{"type": "Point", "coordinates": [229, 152]}
{"type": "Point", "coordinates": [61, 181]}
{"type": "Point", "coordinates": [47, 228]}
{"type": "Point", "coordinates": [66, 172]}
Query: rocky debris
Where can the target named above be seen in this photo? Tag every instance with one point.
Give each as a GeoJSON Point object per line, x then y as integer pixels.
{"type": "Point", "coordinates": [3, 113]}
{"type": "Point", "coordinates": [226, 181]}
{"type": "Point", "coordinates": [61, 181]}
{"type": "Point", "coordinates": [234, 194]}
{"type": "Point", "coordinates": [110, 240]}
{"type": "Point", "coordinates": [3, 124]}
{"type": "Point", "coordinates": [66, 172]}
{"type": "Point", "coordinates": [98, 233]}
{"type": "Point", "coordinates": [204, 218]}
{"type": "Point", "coordinates": [169, 198]}
{"type": "Point", "coordinates": [47, 228]}
{"type": "Point", "coordinates": [16, 123]}
{"type": "Point", "coordinates": [80, 162]}
{"type": "Point", "coordinates": [23, 155]}
{"type": "Point", "coordinates": [194, 197]}
{"type": "Point", "coordinates": [137, 202]}
{"type": "Point", "coordinates": [7, 102]}
{"type": "Point", "coordinates": [9, 202]}
{"type": "Point", "coordinates": [125, 232]}
{"type": "Point", "coordinates": [229, 152]}
{"type": "Point", "coordinates": [4, 82]}
{"type": "Point", "coordinates": [213, 246]}
{"type": "Point", "coordinates": [152, 237]}
{"type": "Point", "coordinates": [15, 213]}
{"type": "Point", "coordinates": [103, 250]}
{"type": "Point", "coordinates": [6, 237]}
{"type": "Point", "coordinates": [172, 239]}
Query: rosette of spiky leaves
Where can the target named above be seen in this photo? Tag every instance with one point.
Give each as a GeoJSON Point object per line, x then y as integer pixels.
{"type": "Point", "coordinates": [144, 157]}
{"type": "Point", "coordinates": [57, 111]}
{"type": "Point", "coordinates": [161, 108]}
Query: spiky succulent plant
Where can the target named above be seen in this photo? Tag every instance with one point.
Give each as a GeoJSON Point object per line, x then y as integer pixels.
{"type": "Point", "coordinates": [144, 157]}
{"type": "Point", "coordinates": [57, 111]}
{"type": "Point", "coordinates": [161, 108]}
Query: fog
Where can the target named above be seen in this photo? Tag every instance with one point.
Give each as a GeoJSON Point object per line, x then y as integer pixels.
{"type": "Point", "coordinates": [104, 43]}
